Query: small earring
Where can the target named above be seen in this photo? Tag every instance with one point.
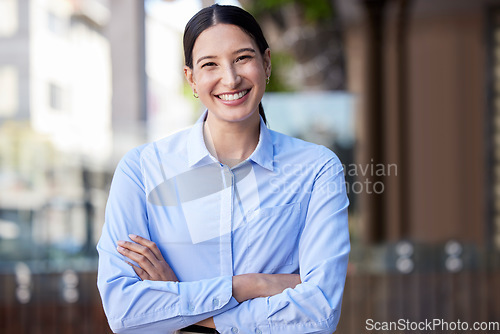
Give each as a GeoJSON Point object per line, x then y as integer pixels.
{"type": "Point", "coordinates": [267, 80]}
{"type": "Point", "coordinates": [195, 95]}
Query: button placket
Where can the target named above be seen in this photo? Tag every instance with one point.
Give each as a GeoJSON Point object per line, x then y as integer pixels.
{"type": "Point", "coordinates": [226, 254]}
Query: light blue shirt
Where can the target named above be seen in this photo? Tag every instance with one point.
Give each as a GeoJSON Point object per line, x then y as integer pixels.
{"type": "Point", "coordinates": [282, 210]}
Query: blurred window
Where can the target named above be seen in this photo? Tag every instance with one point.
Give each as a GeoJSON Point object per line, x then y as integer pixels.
{"type": "Point", "coordinates": [9, 91]}
{"type": "Point", "coordinates": [56, 97]}
{"type": "Point", "coordinates": [9, 22]}
{"type": "Point", "coordinates": [56, 24]}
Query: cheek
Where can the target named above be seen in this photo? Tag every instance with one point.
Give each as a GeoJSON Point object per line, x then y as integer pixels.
{"type": "Point", "coordinates": [255, 74]}
{"type": "Point", "coordinates": [205, 82]}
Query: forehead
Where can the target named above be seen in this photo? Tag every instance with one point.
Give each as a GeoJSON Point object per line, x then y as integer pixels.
{"type": "Point", "coordinates": [222, 38]}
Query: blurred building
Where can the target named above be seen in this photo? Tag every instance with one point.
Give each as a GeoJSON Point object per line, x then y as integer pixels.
{"type": "Point", "coordinates": [126, 35]}
{"type": "Point", "coordinates": [56, 70]}
{"type": "Point", "coordinates": [55, 122]}
{"type": "Point", "coordinates": [81, 83]}
{"type": "Point", "coordinates": [171, 105]}
{"type": "Point", "coordinates": [425, 74]}
{"type": "Point", "coordinates": [422, 70]}
{"type": "Point", "coordinates": [55, 140]}
{"type": "Point", "coordinates": [78, 89]}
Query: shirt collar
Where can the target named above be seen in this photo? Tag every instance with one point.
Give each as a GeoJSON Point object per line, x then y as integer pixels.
{"type": "Point", "coordinates": [264, 152]}
{"type": "Point", "coordinates": [196, 148]}
{"type": "Point", "coordinates": [197, 151]}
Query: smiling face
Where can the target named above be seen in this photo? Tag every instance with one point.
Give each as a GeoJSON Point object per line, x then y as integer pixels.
{"type": "Point", "coordinates": [229, 73]}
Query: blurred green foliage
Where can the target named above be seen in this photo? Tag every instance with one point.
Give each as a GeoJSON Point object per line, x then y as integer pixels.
{"type": "Point", "coordinates": [314, 10]}
{"type": "Point", "coordinates": [281, 62]}
{"type": "Point", "coordinates": [287, 15]}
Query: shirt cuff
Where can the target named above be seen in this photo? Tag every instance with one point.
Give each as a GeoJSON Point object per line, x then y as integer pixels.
{"type": "Point", "coordinates": [241, 319]}
{"type": "Point", "coordinates": [196, 300]}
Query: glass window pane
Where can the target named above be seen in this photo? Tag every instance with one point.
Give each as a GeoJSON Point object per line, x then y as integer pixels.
{"type": "Point", "coordinates": [9, 90]}
{"type": "Point", "coordinates": [8, 17]}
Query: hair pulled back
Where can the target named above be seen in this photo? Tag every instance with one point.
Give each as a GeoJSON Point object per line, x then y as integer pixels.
{"type": "Point", "coordinates": [215, 14]}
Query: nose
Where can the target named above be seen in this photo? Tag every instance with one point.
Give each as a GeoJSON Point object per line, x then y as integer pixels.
{"type": "Point", "coordinates": [230, 77]}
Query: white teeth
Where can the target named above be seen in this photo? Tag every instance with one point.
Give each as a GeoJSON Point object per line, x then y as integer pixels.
{"type": "Point", "coordinates": [231, 97]}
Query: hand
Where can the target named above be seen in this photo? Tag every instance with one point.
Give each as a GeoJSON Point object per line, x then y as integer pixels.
{"type": "Point", "coordinates": [152, 265]}
{"type": "Point", "coordinates": [249, 286]}
{"type": "Point", "coordinates": [209, 323]}
{"type": "Point", "coordinates": [277, 283]}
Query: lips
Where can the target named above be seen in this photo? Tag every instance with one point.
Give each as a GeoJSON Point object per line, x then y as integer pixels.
{"type": "Point", "coordinates": [233, 96]}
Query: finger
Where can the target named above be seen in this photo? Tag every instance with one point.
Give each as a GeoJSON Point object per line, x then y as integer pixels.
{"type": "Point", "coordinates": [140, 272]}
{"type": "Point", "coordinates": [142, 260]}
{"type": "Point", "coordinates": [139, 249]}
{"type": "Point", "coordinates": [149, 244]}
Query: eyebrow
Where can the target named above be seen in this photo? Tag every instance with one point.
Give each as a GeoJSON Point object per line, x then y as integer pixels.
{"type": "Point", "coordinates": [244, 50]}
{"type": "Point", "coordinates": [235, 52]}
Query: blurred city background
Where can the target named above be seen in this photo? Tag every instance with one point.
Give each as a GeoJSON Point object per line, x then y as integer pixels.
{"type": "Point", "coordinates": [406, 92]}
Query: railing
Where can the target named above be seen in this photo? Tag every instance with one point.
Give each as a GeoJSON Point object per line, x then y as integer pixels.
{"type": "Point", "coordinates": [442, 299]}
{"type": "Point", "coordinates": [52, 305]}
{"type": "Point", "coordinates": [379, 290]}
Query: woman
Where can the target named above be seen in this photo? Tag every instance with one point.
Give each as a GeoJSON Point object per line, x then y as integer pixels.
{"type": "Point", "coordinates": [225, 225]}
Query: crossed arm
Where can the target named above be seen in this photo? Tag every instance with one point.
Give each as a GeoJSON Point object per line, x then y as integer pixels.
{"type": "Point", "coordinates": [151, 300]}
{"type": "Point", "coordinates": [152, 266]}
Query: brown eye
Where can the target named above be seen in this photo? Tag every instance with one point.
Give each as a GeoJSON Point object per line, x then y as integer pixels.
{"type": "Point", "coordinates": [208, 64]}
{"type": "Point", "coordinates": [243, 58]}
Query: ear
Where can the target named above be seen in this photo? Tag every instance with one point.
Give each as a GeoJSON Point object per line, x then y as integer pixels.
{"type": "Point", "coordinates": [188, 73]}
{"type": "Point", "coordinates": [267, 61]}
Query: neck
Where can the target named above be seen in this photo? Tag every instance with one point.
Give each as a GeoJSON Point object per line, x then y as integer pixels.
{"type": "Point", "coordinates": [231, 142]}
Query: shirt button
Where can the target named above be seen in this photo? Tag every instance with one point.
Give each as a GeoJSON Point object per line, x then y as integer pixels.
{"type": "Point", "coordinates": [234, 330]}
{"type": "Point", "coordinates": [191, 307]}
{"type": "Point", "coordinates": [258, 331]}
{"type": "Point", "coordinates": [216, 302]}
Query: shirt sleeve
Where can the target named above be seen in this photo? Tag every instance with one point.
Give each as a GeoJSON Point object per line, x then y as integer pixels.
{"type": "Point", "coordinates": [314, 305]}
{"type": "Point", "coordinates": [135, 306]}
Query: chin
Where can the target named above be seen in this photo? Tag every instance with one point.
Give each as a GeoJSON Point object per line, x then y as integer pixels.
{"type": "Point", "coordinates": [229, 114]}
{"type": "Point", "coordinates": [243, 116]}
